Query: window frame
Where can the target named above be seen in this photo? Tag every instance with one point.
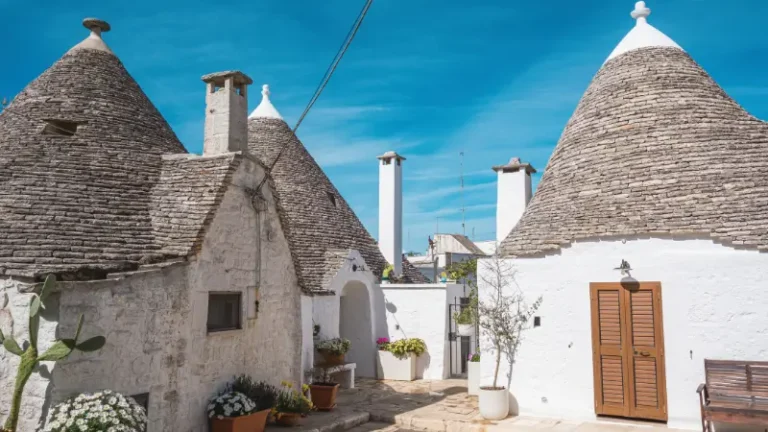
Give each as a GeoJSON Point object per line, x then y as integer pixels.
{"type": "Point", "coordinates": [239, 319]}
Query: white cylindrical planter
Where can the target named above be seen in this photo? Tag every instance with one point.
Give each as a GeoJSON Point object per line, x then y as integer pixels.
{"type": "Point", "coordinates": [494, 404]}
{"type": "Point", "coordinates": [466, 329]}
{"type": "Point", "coordinates": [473, 378]}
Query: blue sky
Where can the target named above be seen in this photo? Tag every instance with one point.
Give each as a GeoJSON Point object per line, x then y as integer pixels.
{"type": "Point", "coordinates": [426, 78]}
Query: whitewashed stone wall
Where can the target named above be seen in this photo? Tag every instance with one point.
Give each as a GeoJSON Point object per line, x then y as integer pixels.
{"type": "Point", "coordinates": [714, 306]}
{"type": "Point", "coordinates": [326, 309]}
{"type": "Point", "coordinates": [421, 311]}
{"type": "Point", "coordinates": [155, 321]}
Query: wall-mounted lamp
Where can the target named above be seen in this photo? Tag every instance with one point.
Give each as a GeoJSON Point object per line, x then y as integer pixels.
{"type": "Point", "coordinates": [624, 267]}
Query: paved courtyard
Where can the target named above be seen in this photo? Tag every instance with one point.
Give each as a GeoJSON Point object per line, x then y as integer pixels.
{"type": "Point", "coordinates": [437, 406]}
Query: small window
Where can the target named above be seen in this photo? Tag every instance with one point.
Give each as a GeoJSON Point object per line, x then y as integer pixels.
{"type": "Point", "coordinates": [224, 311]}
{"type": "Point", "coordinates": [59, 127]}
{"type": "Point", "coordinates": [332, 197]}
{"type": "Point", "coordinates": [142, 399]}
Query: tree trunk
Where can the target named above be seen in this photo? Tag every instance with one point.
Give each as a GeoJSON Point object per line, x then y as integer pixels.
{"type": "Point", "coordinates": [498, 363]}
{"type": "Point", "coordinates": [26, 367]}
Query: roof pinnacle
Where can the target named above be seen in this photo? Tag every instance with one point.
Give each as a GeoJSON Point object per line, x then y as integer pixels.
{"type": "Point", "coordinates": [94, 40]}
{"type": "Point", "coordinates": [265, 108]}
{"type": "Point", "coordinates": [641, 12]}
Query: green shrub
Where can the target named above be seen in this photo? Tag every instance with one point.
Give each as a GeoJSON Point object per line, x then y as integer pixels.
{"type": "Point", "coordinates": [335, 346]}
{"type": "Point", "coordinates": [292, 401]}
{"type": "Point", "coordinates": [406, 347]}
{"type": "Point", "coordinates": [262, 394]}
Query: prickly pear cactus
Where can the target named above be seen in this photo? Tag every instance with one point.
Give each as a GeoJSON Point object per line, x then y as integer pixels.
{"type": "Point", "coordinates": [31, 358]}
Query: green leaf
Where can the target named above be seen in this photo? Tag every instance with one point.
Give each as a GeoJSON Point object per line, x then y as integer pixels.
{"type": "Point", "coordinates": [79, 326]}
{"type": "Point", "coordinates": [58, 351]}
{"type": "Point", "coordinates": [47, 287]}
{"type": "Point", "coordinates": [12, 346]}
{"type": "Point", "coordinates": [92, 344]}
{"type": "Point", "coordinates": [34, 306]}
{"type": "Point", "coordinates": [34, 326]}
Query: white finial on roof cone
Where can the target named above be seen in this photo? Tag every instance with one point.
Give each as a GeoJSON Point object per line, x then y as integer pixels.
{"type": "Point", "coordinates": [642, 35]}
{"type": "Point", "coordinates": [94, 41]}
{"type": "Point", "coordinates": [265, 108]}
{"type": "Point", "coordinates": [641, 12]}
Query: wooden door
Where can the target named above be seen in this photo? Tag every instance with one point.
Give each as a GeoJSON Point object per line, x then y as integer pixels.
{"type": "Point", "coordinates": [628, 350]}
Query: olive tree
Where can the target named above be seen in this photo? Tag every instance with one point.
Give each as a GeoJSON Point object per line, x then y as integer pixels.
{"type": "Point", "coordinates": [504, 312]}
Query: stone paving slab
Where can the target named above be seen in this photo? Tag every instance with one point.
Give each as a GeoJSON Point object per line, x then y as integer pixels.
{"type": "Point", "coordinates": [437, 406]}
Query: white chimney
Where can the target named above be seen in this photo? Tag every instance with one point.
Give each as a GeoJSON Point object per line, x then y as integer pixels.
{"type": "Point", "coordinates": [513, 195]}
{"type": "Point", "coordinates": [391, 209]}
{"type": "Point", "coordinates": [226, 112]}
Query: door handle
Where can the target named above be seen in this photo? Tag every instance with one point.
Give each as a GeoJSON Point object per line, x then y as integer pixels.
{"type": "Point", "coordinates": [642, 353]}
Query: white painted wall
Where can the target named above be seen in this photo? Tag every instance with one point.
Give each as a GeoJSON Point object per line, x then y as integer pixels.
{"type": "Point", "coordinates": [326, 309]}
{"type": "Point", "coordinates": [421, 311]}
{"type": "Point", "coordinates": [356, 325]}
{"type": "Point", "coordinates": [513, 193]}
{"type": "Point", "coordinates": [714, 306]}
{"type": "Point", "coordinates": [391, 209]}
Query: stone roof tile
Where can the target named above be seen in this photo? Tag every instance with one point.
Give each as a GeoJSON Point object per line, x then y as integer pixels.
{"type": "Point", "coordinates": [315, 217]}
{"type": "Point", "coordinates": [655, 147]}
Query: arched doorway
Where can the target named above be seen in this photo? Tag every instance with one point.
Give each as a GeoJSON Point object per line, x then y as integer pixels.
{"type": "Point", "coordinates": [355, 324]}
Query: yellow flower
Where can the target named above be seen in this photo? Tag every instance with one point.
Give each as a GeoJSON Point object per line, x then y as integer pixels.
{"type": "Point", "coordinates": [284, 383]}
{"type": "Point", "coordinates": [305, 387]}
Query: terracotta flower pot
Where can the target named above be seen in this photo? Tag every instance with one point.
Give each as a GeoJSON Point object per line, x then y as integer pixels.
{"type": "Point", "coordinates": [324, 395]}
{"type": "Point", "coordinates": [333, 359]}
{"type": "Point", "coordinates": [288, 419]}
{"type": "Point", "coordinates": [253, 422]}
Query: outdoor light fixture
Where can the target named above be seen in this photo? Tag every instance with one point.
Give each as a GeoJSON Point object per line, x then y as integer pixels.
{"type": "Point", "coordinates": [624, 267]}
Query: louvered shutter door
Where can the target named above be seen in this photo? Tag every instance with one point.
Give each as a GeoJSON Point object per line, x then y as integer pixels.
{"type": "Point", "coordinates": [610, 374]}
{"type": "Point", "coordinates": [646, 365]}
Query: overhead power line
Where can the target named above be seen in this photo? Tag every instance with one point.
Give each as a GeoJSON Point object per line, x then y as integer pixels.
{"type": "Point", "coordinates": [326, 77]}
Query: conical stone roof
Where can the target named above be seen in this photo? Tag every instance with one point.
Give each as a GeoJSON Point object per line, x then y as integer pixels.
{"type": "Point", "coordinates": [80, 160]}
{"type": "Point", "coordinates": [316, 219]}
{"type": "Point", "coordinates": [654, 148]}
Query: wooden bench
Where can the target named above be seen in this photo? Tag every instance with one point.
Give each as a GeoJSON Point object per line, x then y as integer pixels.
{"type": "Point", "coordinates": [735, 392]}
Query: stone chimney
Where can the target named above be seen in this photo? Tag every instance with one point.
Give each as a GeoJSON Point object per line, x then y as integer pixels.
{"type": "Point", "coordinates": [391, 209]}
{"type": "Point", "coordinates": [226, 112]}
{"type": "Point", "coordinates": [513, 195]}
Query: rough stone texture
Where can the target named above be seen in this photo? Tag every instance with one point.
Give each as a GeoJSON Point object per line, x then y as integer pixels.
{"type": "Point", "coordinates": [155, 319]}
{"type": "Point", "coordinates": [313, 224]}
{"type": "Point", "coordinates": [654, 147]}
{"type": "Point", "coordinates": [83, 204]}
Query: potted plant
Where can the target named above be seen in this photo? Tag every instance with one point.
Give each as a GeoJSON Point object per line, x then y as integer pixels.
{"type": "Point", "coordinates": [323, 390]}
{"type": "Point", "coordinates": [397, 360]}
{"type": "Point", "coordinates": [503, 317]}
{"type": "Point", "coordinates": [262, 394]}
{"type": "Point", "coordinates": [473, 374]}
{"type": "Point", "coordinates": [291, 405]}
{"type": "Point", "coordinates": [122, 413]}
{"type": "Point", "coordinates": [333, 350]}
{"type": "Point", "coordinates": [235, 412]}
{"type": "Point", "coordinates": [386, 273]}
{"type": "Point", "coordinates": [465, 318]}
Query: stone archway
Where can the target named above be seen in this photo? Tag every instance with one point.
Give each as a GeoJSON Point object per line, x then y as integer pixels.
{"type": "Point", "coordinates": [356, 324]}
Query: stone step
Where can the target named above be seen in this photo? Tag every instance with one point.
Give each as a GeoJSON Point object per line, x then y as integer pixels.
{"type": "Point", "coordinates": [333, 421]}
